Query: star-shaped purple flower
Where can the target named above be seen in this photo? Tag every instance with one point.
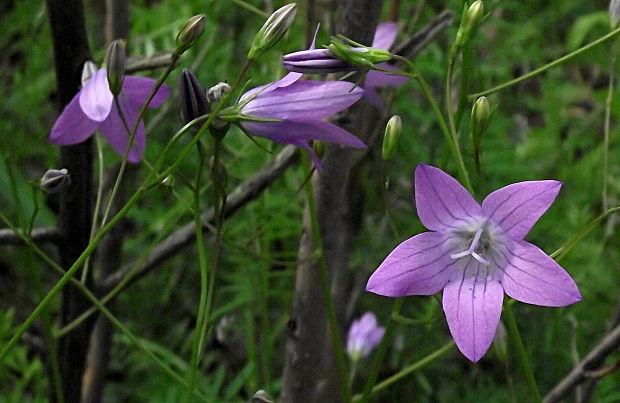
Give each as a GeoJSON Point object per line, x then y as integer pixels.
{"type": "Point", "coordinates": [93, 108]}
{"type": "Point", "coordinates": [300, 106]}
{"type": "Point", "coordinates": [364, 335]}
{"type": "Point", "coordinates": [474, 254]}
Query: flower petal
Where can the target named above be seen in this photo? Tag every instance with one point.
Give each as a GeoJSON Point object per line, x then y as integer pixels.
{"type": "Point", "coordinates": [473, 307]}
{"type": "Point", "coordinates": [304, 100]}
{"type": "Point", "coordinates": [291, 132]}
{"type": "Point", "coordinates": [72, 126]}
{"type": "Point", "coordinates": [418, 266]}
{"type": "Point", "coordinates": [96, 98]}
{"type": "Point", "coordinates": [316, 161]}
{"type": "Point", "coordinates": [285, 81]}
{"type": "Point", "coordinates": [440, 200]}
{"type": "Point", "coordinates": [385, 35]}
{"type": "Point", "coordinates": [114, 130]}
{"type": "Point", "coordinates": [376, 78]}
{"type": "Point", "coordinates": [517, 207]}
{"type": "Point", "coordinates": [137, 90]}
{"type": "Point", "coordinates": [531, 276]}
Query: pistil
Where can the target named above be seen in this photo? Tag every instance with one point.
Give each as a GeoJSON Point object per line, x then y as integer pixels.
{"type": "Point", "coordinates": [472, 249]}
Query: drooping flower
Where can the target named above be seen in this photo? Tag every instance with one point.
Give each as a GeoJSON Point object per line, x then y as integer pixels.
{"type": "Point", "coordinates": [324, 61]}
{"type": "Point", "coordinates": [475, 253]}
{"type": "Point", "coordinates": [93, 108]}
{"type": "Point", "coordinates": [299, 106]}
{"type": "Point", "coordinates": [364, 335]}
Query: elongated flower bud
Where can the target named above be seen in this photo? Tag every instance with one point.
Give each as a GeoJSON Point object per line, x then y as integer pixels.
{"type": "Point", "coordinates": [115, 66]}
{"type": "Point", "coordinates": [54, 180]}
{"type": "Point", "coordinates": [89, 70]}
{"type": "Point", "coordinates": [470, 22]}
{"type": "Point", "coordinates": [480, 114]}
{"type": "Point", "coordinates": [193, 98]}
{"type": "Point", "coordinates": [189, 34]}
{"type": "Point", "coordinates": [273, 30]}
{"type": "Point", "coordinates": [614, 13]}
{"type": "Point", "coordinates": [390, 138]}
{"type": "Point", "coordinates": [358, 56]}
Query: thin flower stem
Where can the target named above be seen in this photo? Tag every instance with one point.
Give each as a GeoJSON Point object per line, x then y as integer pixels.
{"type": "Point", "coordinates": [464, 87]}
{"type": "Point", "coordinates": [327, 295]}
{"type": "Point", "coordinates": [99, 305]}
{"type": "Point", "coordinates": [381, 351]}
{"type": "Point", "coordinates": [607, 125]}
{"type": "Point", "coordinates": [251, 8]}
{"type": "Point", "coordinates": [134, 129]}
{"type": "Point", "coordinates": [548, 66]}
{"type": "Point", "coordinates": [52, 351]}
{"type": "Point", "coordinates": [406, 371]}
{"type": "Point", "coordinates": [450, 136]}
{"type": "Point", "coordinates": [95, 220]}
{"type": "Point", "coordinates": [525, 363]}
{"type": "Point", "coordinates": [202, 262]}
{"type": "Point", "coordinates": [561, 252]}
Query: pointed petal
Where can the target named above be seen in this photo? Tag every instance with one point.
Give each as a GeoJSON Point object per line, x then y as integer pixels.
{"type": "Point", "coordinates": [137, 89]}
{"type": "Point", "coordinates": [385, 35]}
{"type": "Point", "coordinates": [531, 276]}
{"type": "Point", "coordinates": [114, 130]}
{"type": "Point", "coordinates": [72, 126]}
{"type": "Point", "coordinates": [285, 81]}
{"type": "Point", "coordinates": [473, 307]}
{"type": "Point", "coordinates": [418, 266]}
{"type": "Point", "coordinates": [96, 98]}
{"type": "Point", "coordinates": [304, 100]}
{"type": "Point", "coordinates": [517, 207]}
{"type": "Point", "coordinates": [291, 132]}
{"type": "Point", "coordinates": [316, 161]}
{"type": "Point", "coordinates": [440, 200]}
{"type": "Point", "coordinates": [376, 78]}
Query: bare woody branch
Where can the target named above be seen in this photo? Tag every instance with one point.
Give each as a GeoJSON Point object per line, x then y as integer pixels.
{"type": "Point", "coordinates": [243, 194]}
{"type": "Point", "coordinates": [583, 370]}
{"type": "Point", "coordinates": [39, 235]}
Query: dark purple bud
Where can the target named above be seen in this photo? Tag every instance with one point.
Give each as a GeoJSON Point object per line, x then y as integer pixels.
{"type": "Point", "coordinates": [193, 98]}
{"type": "Point", "coordinates": [54, 180]}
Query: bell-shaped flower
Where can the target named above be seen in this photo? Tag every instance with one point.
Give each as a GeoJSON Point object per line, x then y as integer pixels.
{"type": "Point", "coordinates": [475, 253]}
{"type": "Point", "coordinates": [291, 111]}
{"type": "Point", "coordinates": [364, 335]}
{"type": "Point", "coordinates": [93, 108]}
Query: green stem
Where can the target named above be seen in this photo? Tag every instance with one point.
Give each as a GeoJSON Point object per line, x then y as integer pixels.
{"type": "Point", "coordinates": [134, 129]}
{"type": "Point", "coordinates": [607, 126]}
{"type": "Point", "coordinates": [464, 88]}
{"type": "Point", "coordinates": [450, 136]}
{"type": "Point", "coordinates": [381, 351]}
{"type": "Point", "coordinates": [406, 371]}
{"type": "Point", "coordinates": [525, 363]}
{"type": "Point", "coordinates": [574, 240]}
{"type": "Point", "coordinates": [202, 262]}
{"type": "Point", "coordinates": [327, 295]}
{"type": "Point", "coordinates": [548, 66]}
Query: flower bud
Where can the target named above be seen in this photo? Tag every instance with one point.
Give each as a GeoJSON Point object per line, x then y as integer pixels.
{"type": "Point", "coordinates": [216, 92]}
{"type": "Point", "coordinates": [167, 182]}
{"type": "Point", "coordinates": [469, 22]}
{"type": "Point", "coordinates": [89, 70]}
{"type": "Point", "coordinates": [359, 56]}
{"type": "Point", "coordinates": [54, 180]}
{"type": "Point", "coordinates": [614, 13]}
{"type": "Point", "coordinates": [115, 65]}
{"type": "Point", "coordinates": [273, 30]}
{"type": "Point", "coordinates": [193, 98]}
{"type": "Point", "coordinates": [391, 136]}
{"type": "Point", "coordinates": [189, 34]}
{"type": "Point", "coordinates": [480, 114]}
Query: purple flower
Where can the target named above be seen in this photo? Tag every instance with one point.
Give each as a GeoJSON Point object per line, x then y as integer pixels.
{"type": "Point", "coordinates": [385, 35]}
{"type": "Point", "coordinates": [93, 108]}
{"type": "Point", "coordinates": [300, 106]}
{"type": "Point", "coordinates": [474, 254]}
{"type": "Point", "coordinates": [364, 335]}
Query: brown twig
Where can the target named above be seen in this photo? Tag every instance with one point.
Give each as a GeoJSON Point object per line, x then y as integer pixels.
{"type": "Point", "coordinates": [584, 369]}
{"type": "Point", "coordinates": [152, 62]}
{"type": "Point", "coordinates": [39, 235]}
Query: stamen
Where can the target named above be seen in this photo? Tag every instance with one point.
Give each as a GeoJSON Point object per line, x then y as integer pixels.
{"type": "Point", "coordinates": [472, 250]}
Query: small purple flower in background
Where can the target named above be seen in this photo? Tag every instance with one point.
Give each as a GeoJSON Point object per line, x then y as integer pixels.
{"type": "Point", "coordinates": [385, 35]}
{"type": "Point", "coordinates": [364, 335]}
{"type": "Point", "coordinates": [93, 108]}
{"type": "Point", "coordinates": [474, 254]}
{"type": "Point", "coordinates": [299, 106]}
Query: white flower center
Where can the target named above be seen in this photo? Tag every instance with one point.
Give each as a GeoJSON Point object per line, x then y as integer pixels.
{"type": "Point", "coordinates": [481, 240]}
